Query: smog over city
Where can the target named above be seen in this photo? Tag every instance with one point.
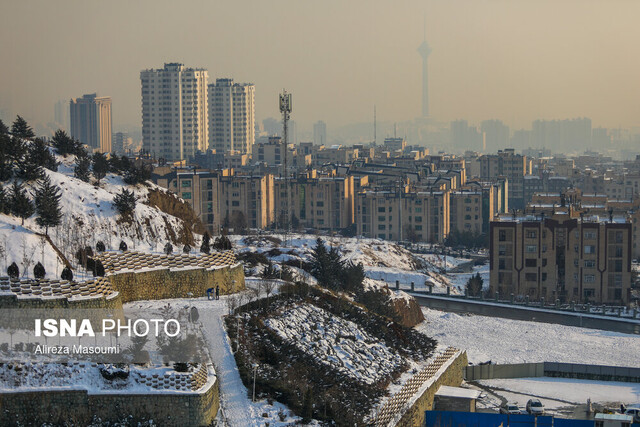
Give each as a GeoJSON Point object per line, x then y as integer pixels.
{"type": "Point", "coordinates": [329, 213]}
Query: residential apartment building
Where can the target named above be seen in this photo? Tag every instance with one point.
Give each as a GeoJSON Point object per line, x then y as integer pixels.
{"type": "Point", "coordinates": [471, 211]}
{"type": "Point", "coordinates": [510, 165]}
{"type": "Point", "coordinates": [403, 215]}
{"type": "Point", "coordinates": [272, 152]}
{"type": "Point", "coordinates": [561, 257]}
{"type": "Point", "coordinates": [231, 116]}
{"type": "Point", "coordinates": [174, 111]}
{"type": "Point", "coordinates": [246, 200]}
{"type": "Point", "coordinates": [319, 133]}
{"type": "Point", "coordinates": [198, 188]}
{"type": "Point", "coordinates": [323, 203]}
{"type": "Point", "coordinates": [90, 118]}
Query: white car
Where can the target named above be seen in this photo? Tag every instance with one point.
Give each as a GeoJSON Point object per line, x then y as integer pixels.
{"type": "Point", "coordinates": [535, 407]}
{"type": "Point", "coordinates": [635, 412]}
{"type": "Point", "coordinates": [510, 408]}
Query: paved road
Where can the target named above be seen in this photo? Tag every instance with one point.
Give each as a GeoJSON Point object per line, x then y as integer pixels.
{"type": "Point", "coordinates": [235, 404]}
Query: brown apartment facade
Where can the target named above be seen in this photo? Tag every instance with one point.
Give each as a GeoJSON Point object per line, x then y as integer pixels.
{"type": "Point", "coordinates": [561, 257]}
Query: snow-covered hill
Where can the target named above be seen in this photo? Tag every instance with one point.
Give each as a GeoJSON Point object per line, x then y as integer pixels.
{"type": "Point", "coordinates": [382, 260]}
{"type": "Point", "coordinates": [89, 216]}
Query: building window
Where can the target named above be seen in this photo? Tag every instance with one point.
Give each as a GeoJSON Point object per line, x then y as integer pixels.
{"type": "Point", "coordinates": [502, 250]}
{"type": "Point", "coordinates": [589, 263]}
{"type": "Point", "coordinates": [590, 235]}
{"type": "Point", "coordinates": [381, 209]}
{"type": "Point", "coordinates": [418, 219]}
{"type": "Point", "coordinates": [186, 195]}
{"type": "Point", "coordinates": [544, 277]}
{"type": "Point", "coordinates": [544, 262]}
{"type": "Point", "coordinates": [186, 183]}
{"type": "Point", "coordinates": [532, 249]}
{"type": "Point", "coordinates": [502, 235]}
{"type": "Point", "coordinates": [589, 249]}
{"type": "Point", "coordinates": [235, 203]}
{"type": "Point", "coordinates": [530, 277]}
{"type": "Point", "coordinates": [589, 278]}
{"type": "Point", "coordinates": [531, 262]}
{"type": "Point", "coordinates": [531, 234]}
{"type": "Point", "coordinates": [381, 227]}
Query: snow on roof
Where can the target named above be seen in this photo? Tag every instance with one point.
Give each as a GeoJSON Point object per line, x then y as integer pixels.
{"type": "Point", "coordinates": [459, 392]}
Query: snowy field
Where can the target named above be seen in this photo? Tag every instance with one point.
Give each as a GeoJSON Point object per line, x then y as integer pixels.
{"type": "Point", "coordinates": [515, 341]}
{"type": "Point", "coordinates": [571, 390]}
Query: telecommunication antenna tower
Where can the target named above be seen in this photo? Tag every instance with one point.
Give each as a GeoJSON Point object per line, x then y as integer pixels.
{"type": "Point", "coordinates": [285, 109]}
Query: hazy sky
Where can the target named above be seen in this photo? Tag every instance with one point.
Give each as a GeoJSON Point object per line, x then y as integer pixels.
{"type": "Point", "coordinates": [516, 60]}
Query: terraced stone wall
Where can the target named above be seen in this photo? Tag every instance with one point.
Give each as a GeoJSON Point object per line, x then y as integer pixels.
{"type": "Point", "coordinates": [77, 407]}
{"type": "Point", "coordinates": [184, 283]}
{"type": "Point", "coordinates": [452, 376]}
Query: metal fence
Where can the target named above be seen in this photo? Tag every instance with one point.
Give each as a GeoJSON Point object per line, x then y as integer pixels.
{"type": "Point", "coordinates": [553, 369]}
{"type": "Point", "coordinates": [473, 419]}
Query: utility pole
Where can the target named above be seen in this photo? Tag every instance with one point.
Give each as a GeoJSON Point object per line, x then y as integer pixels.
{"type": "Point", "coordinates": [285, 109]}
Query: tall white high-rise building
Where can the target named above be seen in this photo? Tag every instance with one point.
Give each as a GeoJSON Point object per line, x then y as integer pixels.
{"type": "Point", "coordinates": [90, 118]}
{"type": "Point", "coordinates": [174, 111]}
{"type": "Point", "coordinates": [232, 116]}
{"type": "Point", "coordinates": [320, 133]}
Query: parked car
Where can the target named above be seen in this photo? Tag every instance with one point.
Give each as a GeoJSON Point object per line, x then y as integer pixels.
{"type": "Point", "coordinates": [510, 408]}
{"type": "Point", "coordinates": [635, 412]}
{"type": "Point", "coordinates": [535, 407]}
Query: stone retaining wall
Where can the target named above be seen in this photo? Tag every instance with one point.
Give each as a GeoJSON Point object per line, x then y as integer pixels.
{"type": "Point", "coordinates": [78, 407]}
{"type": "Point", "coordinates": [166, 283]}
{"type": "Point", "coordinates": [412, 413]}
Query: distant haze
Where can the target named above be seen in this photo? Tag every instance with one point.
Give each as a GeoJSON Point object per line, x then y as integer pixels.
{"type": "Point", "coordinates": [512, 60]}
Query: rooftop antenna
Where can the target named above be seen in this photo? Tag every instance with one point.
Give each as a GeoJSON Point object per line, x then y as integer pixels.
{"type": "Point", "coordinates": [375, 139]}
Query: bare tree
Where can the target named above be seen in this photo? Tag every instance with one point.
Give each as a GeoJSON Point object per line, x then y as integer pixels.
{"type": "Point", "coordinates": [232, 303]}
{"type": "Point", "coordinates": [28, 252]}
{"type": "Point", "coordinates": [3, 254]}
{"type": "Point", "coordinates": [268, 286]}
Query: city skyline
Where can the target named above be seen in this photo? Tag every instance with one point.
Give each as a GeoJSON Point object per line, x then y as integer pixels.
{"type": "Point", "coordinates": [495, 60]}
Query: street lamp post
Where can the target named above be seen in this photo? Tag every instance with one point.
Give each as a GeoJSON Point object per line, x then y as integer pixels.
{"type": "Point", "coordinates": [255, 369]}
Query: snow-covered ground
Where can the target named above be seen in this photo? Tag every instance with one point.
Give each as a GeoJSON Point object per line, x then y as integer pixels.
{"type": "Point", "coordinates": [576, 391]}
{"type": "Point", "coordinates": [237, 408]}
{"type": "Point", "coordinates": [514, 341]}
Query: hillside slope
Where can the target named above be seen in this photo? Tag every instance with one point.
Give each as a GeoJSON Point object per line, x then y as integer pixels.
{"type": "Point", "coordinates": [89, 216]}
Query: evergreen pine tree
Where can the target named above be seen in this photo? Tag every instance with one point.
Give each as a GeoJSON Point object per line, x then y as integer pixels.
{"type": "Point", "coordinates": [100, 246]}
{"type": "Point", "coordinates": [47, 200]}
{"type": "Point", "coordinates": [64, 144]}
{"type": "Point", "coordinates": [16, 149]}
{"type": "Point", "coordinates": [4, 201]}
{"type": "Point", "coordinates": [168, 248]}
{"type": "Point", "coordinates": [125, 203]}
{"type": "Point", "coordinates": [99, 269]}
{"type": "Point", "coordinates": [3, 127]}
{"type": "Point", "coordinates": [99, 165]}
{"type": "Point", "coordinates": [39, 154]}
{"type": "Point", "coordinates": [123, 246]}
{"type": "Point", "coordinates": [6, 165]}
{"type": "Point", "coordinates": [67, 274]}
{"type": "Point", "coordinates": [205, 248]}
{"type": "Point", "coordinates": [81, 171]}
{"type": "Point", "coordinates": [186, 249]}
{"type": "Point", "coordinates": [21, 128]}
{"type": "Point", "coordinates": [28, 168]}
{"type": "Point", "coordinates": [38, 271]}
{"type": "Point", "coordinates": [13, 271]}
{"type": "Point", "coordinates": [21, 205]}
